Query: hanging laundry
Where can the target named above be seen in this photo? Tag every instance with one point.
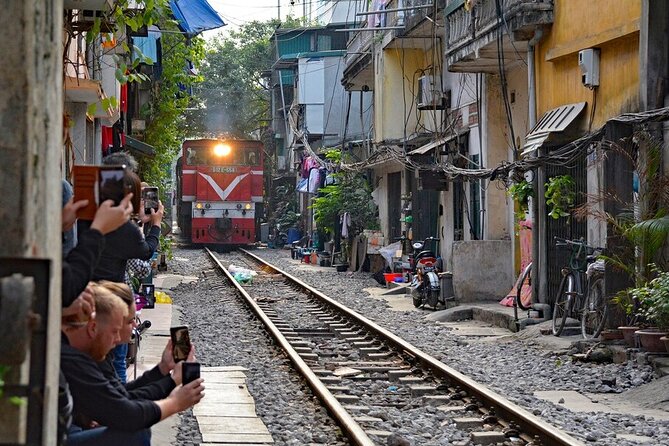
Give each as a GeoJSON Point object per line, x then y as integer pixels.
{"type": "Point", "coordinates": [307, 164]}
{"type": "Point", "coordinates": [322, 174]}
{"type": "Point", "coordinates": [345, 223]}
{"type": "Point", "coordinates": [314, 180]}
{"type": "Point", "coordinates": [303, 185]}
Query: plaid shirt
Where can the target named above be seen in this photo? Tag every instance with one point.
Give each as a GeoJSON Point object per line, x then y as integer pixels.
{"type": "Point", "coordinates": [137, 269]}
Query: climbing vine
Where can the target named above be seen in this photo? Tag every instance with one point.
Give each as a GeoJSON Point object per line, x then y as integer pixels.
{"type": "Point", "coordinates": [560, 195]}
{"type": "Point", "coordinates": [521, 193]}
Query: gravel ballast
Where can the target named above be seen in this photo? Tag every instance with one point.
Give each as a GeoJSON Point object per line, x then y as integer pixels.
{"type": "Point", "coordinates": [226, 334]}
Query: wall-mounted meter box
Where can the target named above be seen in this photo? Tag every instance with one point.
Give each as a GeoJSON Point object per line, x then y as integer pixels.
{"type": "Point", "coordinates": [588, 62]}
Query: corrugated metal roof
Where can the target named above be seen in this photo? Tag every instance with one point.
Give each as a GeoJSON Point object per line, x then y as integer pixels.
{"type": "Point", "coordinates": [422, 150]}
{"type": "Point", "coordinates": [555, 120]}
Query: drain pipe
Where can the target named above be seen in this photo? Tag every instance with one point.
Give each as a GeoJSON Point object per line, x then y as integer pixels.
{"type": "Point", "coordinates": [531, 88]}
{"type": "Point", "coordinates": [543, 307]}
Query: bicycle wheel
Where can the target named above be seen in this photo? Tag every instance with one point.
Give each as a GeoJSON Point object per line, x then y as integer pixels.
{"type": "Point", "coordinates": [526, 278]}
{"type": "Point", "coordinates": [562, 303]}
{"type": "Point", "coordinates": [595, 310]}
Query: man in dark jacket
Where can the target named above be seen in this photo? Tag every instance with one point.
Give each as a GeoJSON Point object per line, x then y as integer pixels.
{"type": "Point", "coordinates": [126, 421]}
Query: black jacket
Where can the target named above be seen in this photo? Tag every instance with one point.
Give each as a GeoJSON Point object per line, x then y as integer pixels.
{"type": "Point", "coordinates": [96, 398]}
{"type": "Point", "coordinates": [121, 245]}
{"type": "Point", "coordinates": [80, 263]}
{"type": "Point", "coordinates": [152, 385]}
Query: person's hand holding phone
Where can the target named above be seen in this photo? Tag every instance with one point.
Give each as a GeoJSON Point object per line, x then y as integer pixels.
{"type": "Point", "coordinates": [188, 395]}
{"type": "Point", "coordinates": [108, 217]}
{"type": "Point", "coordinates": [177, 371]}
{"type": "Point", "coordinates": [167, 364]}
{"type": "Point", "coordinates": [157, 216]}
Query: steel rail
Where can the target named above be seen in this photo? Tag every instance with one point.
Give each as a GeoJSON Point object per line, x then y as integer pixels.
{"type": "Point", "coordinates": [529, 424]}
{"type": "Point", "coordinates": [352, 429]}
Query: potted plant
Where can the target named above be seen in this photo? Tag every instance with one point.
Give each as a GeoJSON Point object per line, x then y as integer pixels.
{"type": "Point", "coordinates": [625, 300]}
{"type": "Point", "coordinates": [654, 308]}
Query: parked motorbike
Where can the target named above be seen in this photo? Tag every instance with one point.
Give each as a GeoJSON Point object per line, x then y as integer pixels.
{"type": "Point", "coordinates": [137, 332]}
{"type": "Point", "coordinates": [424, 273]}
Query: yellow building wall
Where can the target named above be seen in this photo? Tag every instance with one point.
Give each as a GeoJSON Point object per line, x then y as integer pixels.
{"type": "Point", "coordinates": [611, 26]}
{"type": "Point", "coordinates": [394, 70]}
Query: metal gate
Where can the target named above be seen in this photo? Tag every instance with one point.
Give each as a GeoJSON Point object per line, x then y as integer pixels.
{"type": "Point", "coordinates": [564, 227]}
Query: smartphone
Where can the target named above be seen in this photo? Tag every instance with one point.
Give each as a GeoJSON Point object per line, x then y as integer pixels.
{"type": "Point", "coordinates": [97, 184]}
{"type": "Point", "coordinates": [150, 196]}
{"type": "Point", "coordinates": [111, 183]}
{"type": "Point", "coordinates": [180, 343]}
{"type": "Point", "coordinates": [190, 371]}
{"type": "Point", "coordinates": [148, 291]}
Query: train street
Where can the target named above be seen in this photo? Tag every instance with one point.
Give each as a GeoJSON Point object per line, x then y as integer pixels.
{"type": "Point", "coordinates": [611, 403]}
{"type": "Point", "coordinates": [334, 222]}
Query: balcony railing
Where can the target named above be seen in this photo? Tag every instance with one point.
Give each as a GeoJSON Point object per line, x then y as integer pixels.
{"type": "Point", "coordinates": [464, 26]}
{"type": "Point", "coordinates": [413, 13]}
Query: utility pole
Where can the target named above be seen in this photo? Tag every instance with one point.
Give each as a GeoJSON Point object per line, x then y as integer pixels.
{"type": "Point", "coordinates": [31, 123]}
{"type": "Point", "coordinates": [278, 10]}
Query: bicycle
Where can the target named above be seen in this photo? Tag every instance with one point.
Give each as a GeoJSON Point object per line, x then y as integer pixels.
{"type": "Point", "coordinates": [524, 282]}
{"type": "Point", "coordinates": [590, 309]}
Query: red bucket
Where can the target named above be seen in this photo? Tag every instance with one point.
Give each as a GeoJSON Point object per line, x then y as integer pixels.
{"type": "Point", "coordinates": [390, 277]}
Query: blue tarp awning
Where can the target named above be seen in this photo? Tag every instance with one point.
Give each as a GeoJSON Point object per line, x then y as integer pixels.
{"type": "Point", "coordinates": [195, 16]}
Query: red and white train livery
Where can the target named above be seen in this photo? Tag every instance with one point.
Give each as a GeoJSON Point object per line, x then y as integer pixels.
{"type": "Point", "coordinates": [220, 190]}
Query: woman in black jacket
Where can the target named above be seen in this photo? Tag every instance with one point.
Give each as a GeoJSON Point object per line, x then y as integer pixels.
{"type": "Point", "coordinates": [128, 242]}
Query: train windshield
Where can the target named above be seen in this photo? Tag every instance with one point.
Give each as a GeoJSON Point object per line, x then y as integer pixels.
{"type": "Point", "coordinates": [222, 155]}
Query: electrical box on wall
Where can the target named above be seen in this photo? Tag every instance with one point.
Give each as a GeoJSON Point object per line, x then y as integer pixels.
{"type": "Point", "coordinates": [588, 62]}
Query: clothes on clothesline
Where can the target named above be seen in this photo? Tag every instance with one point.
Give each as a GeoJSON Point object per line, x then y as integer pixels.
{"type": "Point", "coordinates": [345, 224]}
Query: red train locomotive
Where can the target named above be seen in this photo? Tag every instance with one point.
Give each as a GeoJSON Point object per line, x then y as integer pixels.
{"type": "Point", "coordinates": [220, 191]}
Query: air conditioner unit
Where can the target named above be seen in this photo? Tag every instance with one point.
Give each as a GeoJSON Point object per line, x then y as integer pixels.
{"type": "Point", "coordinates": [430, 96]}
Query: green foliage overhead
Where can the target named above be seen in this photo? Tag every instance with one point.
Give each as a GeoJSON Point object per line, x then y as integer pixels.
{"type": "Point", "coordinates": [235, 96]}
{"type": "Point", "coordinates": [165, 113]}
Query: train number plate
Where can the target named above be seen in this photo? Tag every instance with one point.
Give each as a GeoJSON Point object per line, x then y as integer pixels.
{"type": "Point", "coordinates": [223, 169]}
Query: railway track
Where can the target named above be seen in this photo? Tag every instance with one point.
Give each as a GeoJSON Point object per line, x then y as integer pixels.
{"type": "Point", "coordinates": [362, 373]}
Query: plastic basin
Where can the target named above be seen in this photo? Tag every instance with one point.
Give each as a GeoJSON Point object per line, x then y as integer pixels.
{"type": "Point", "coordinates": [391, 277]}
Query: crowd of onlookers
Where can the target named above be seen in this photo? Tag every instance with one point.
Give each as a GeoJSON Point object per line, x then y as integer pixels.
{"type": "Point", "coordinates": [103, 262]}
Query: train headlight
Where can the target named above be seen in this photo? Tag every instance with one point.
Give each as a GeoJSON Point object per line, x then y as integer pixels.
{"type": "Point", "coordinates": [239, 206]}
{"type": "Point", "coordinates": [222, 150]}
{"type": "Point", "coordinates": [198, 206]}
{"type": "Point", "coordinates": [247, 206]}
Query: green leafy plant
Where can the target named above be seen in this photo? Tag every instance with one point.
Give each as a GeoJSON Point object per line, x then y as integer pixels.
{"type": "Point", "coordinates": [560, 196]}
{"type": "Point", "coordinates": [641, 227]}
{"type": "Point", "coordinates": [654, 299]}
{"type": "Point", "coordinates": [521, 193]}
{"type": "Point", "coordinates": [350, 193]}
{"type": "Point", "coordinates": [166, 243]}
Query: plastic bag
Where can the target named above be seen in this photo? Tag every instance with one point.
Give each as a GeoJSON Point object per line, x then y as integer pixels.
{"type": "Point", "coordinates": [162, 298]}
{"type": "Point", "coordinates": [245, 272]}
{"type": "Point", "coordinates": [243, 277]}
